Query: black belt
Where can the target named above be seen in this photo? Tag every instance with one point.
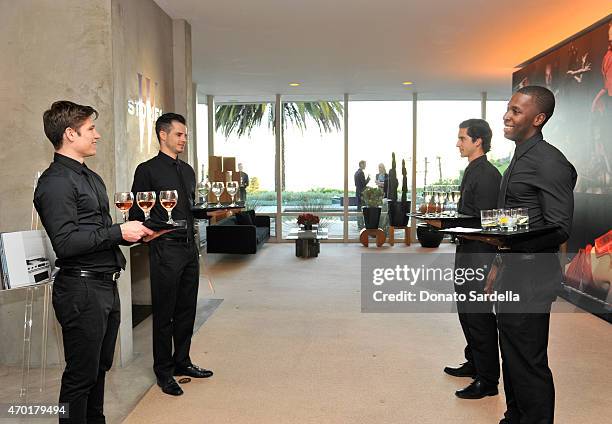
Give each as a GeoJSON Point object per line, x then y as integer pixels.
{"type": "Point", "coordinates": [175, 239]}
{"type": "Point", "coordinates": [103, 276]}
{"type": "Point", "coordinates": [514, 257]}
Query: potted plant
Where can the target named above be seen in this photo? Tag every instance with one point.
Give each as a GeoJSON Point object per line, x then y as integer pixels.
{"type": "Point", "coordinates": [398, 211]}
{"type": "Point", "coordinates": [429, 236]}
{"type": "Point", "coordinates": [307, 220]}
{"type": "Point", "coordinates": [392, 195]}
{"type": "Point", "coordinates": [372, 198]}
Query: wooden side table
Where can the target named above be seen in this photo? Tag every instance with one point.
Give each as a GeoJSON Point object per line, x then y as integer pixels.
{"type": "Point", "coordinates": [392, 234]}
{"type": "Point", "coordinates": [365, 234]}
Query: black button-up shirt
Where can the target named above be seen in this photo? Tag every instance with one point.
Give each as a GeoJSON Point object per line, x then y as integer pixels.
{"type": "Point", "coordinates": [541, 179]}
{"type": "Point", "coordinates": [166, 173]}
{"type": "Point", "coordinates": [479, 187]}
{"type": "Point", "coordinates": [73, 207]}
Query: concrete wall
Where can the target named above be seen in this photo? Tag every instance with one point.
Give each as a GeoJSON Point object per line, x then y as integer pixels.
{"type": "Point", "coordinates": [90, 52]}
{"type": "Point", "coordinates": [143, 72]}
{"type": "Point", "coordinates": [43, 62]}
{"type": "Point", "coordinates": [48, 53]}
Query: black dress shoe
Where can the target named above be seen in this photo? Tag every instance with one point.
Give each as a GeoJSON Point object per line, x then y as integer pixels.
{"type": "Point", "coordinates": [193, 371]}
{"type": "Point", "coordinates": [476, 390]}
{"type": "Point", "coordinates": [170, 387]}
{"type": "Point", "coordinates": [465, 370]}
{"type": "Point", "coordinates": [510, 417]}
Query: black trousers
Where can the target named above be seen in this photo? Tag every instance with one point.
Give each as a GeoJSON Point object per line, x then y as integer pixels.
{"type": "Point", "coordinates": [175, 272]}
{"type": "Point", "coordinates": [476, 318]}
{"type": "Point", "coordinates": [88, 311]}
{"type": "Point", "coordinates": [528, 381]}
{"type": "Point", "coordinates": [523, 336]}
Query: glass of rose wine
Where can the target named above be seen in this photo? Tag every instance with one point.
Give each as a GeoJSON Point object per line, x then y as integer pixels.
{"type": "Point", "coordinates": [145, 201]}
{"type": "Point", "coordinates": [168, 199]}
{"type": "Point", "coordinates": [124, 201]}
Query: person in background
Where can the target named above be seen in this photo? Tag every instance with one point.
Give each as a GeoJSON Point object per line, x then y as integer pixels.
{"type": "Point", "coordinates": [382, 180]}
{"type": "Point", "coordinates": [360, 182]}
{"type": "Point", "coordinates": [244, 182]}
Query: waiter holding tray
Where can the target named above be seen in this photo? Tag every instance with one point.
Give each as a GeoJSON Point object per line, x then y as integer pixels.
{"type": "Point", "coordinates": [173, 257]}
{"type": "Point", "coordinates": [541, 179]}
{"type": "Point", "coordinates": [479, 191]}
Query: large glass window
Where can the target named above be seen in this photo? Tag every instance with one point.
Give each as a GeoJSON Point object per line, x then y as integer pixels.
{"type": "Point", "coordinates": [438, 160]}
{"type": "Point", "coordinates": [501, 148]}
{"type": "Point", "coordinates": [312, 151]}
{"type": "Point", "coordinates": [245, 132]}
{"type": "Point", "coordinates": [376, 130]}
{"type": "Point", "coordinates": [334, 224]}
{"type": "Point", "coordinates": [313, 155]}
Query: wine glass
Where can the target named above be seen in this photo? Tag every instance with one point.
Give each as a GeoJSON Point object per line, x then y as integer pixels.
{"type": "Point", "coordinates": [436, 201]}
{"type": "Point", "coordinates": [457, 198]}
{"type": "Point", "coordinates": [232, 188]}
{"type": "Point", "coordinates": [443, 197]}
{"type": "Point", "coordinates": [168, 199]}
{"type": "Point", "coordinates": [145, 201]}
{"type": "Point", "coordinates": [124, 201]}
{"type": "Point", "coordinates": [427, 198]}
{"type": "Point", "coordinates": [204, 189]}
{"type": "Point", "coordinates": [217, 189]}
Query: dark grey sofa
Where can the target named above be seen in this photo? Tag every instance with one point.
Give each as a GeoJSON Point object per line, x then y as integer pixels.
{"type": "Point", "coordinates": [227, 236]}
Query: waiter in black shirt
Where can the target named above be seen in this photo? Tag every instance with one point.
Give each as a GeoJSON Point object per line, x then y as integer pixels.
{"type": "Point", "coordinates": [173, 257]}
{"type": "Point", "coordinates": [541, 179]}
{"type": "Point", "coordinates": [479, 191]}
{"type": "Point", "coordinates": [73, 207]}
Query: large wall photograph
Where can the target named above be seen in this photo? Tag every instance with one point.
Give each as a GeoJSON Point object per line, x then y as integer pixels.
{"type": "Point", "coordinates": [579, 73]}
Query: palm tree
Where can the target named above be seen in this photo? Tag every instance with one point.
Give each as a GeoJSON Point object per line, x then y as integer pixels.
{"type": "Point", "coordinates": [242, 118]}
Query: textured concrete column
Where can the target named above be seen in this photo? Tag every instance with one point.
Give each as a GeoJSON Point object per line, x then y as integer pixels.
{"type": "Point", "coordinates": [183, 83]}
{"type": "Point", "coordinates": [125, 343]}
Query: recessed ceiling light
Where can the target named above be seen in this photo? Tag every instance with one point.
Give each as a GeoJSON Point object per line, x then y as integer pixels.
{"type": "Point", "coordinates": [407, 83]}
{"type": "Point", "coordinates": [294, 84]}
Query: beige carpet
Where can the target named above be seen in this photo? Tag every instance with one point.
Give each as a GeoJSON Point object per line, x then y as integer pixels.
{"type": "Point", "coordinates": [289, 345]}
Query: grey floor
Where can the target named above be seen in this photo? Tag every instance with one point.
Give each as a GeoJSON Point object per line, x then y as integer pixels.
{"type": "Point", "coordinates": [124, 386]}
{"type": "Point", "coordinates": [289, 344]}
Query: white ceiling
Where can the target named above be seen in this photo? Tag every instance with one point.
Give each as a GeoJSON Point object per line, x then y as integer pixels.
{"type": "Point", "coordinates": [451, 49]}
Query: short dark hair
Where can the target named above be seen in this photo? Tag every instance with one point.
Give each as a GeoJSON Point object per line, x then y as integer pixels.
{"type": "Point", "coordinates": [543, 98]}
{"type": "Point", "coordinates": [164, 122]}
{"type": "Point", "coordinates": [65, 114]}
{"type": "Point", "coordinates": [362, 161]}
{"type": "Point", "coordinates": [479, 128]}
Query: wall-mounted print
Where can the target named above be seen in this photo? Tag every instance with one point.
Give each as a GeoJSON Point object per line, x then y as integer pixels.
{"type": "Point", "coordinates": [579, 72]}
